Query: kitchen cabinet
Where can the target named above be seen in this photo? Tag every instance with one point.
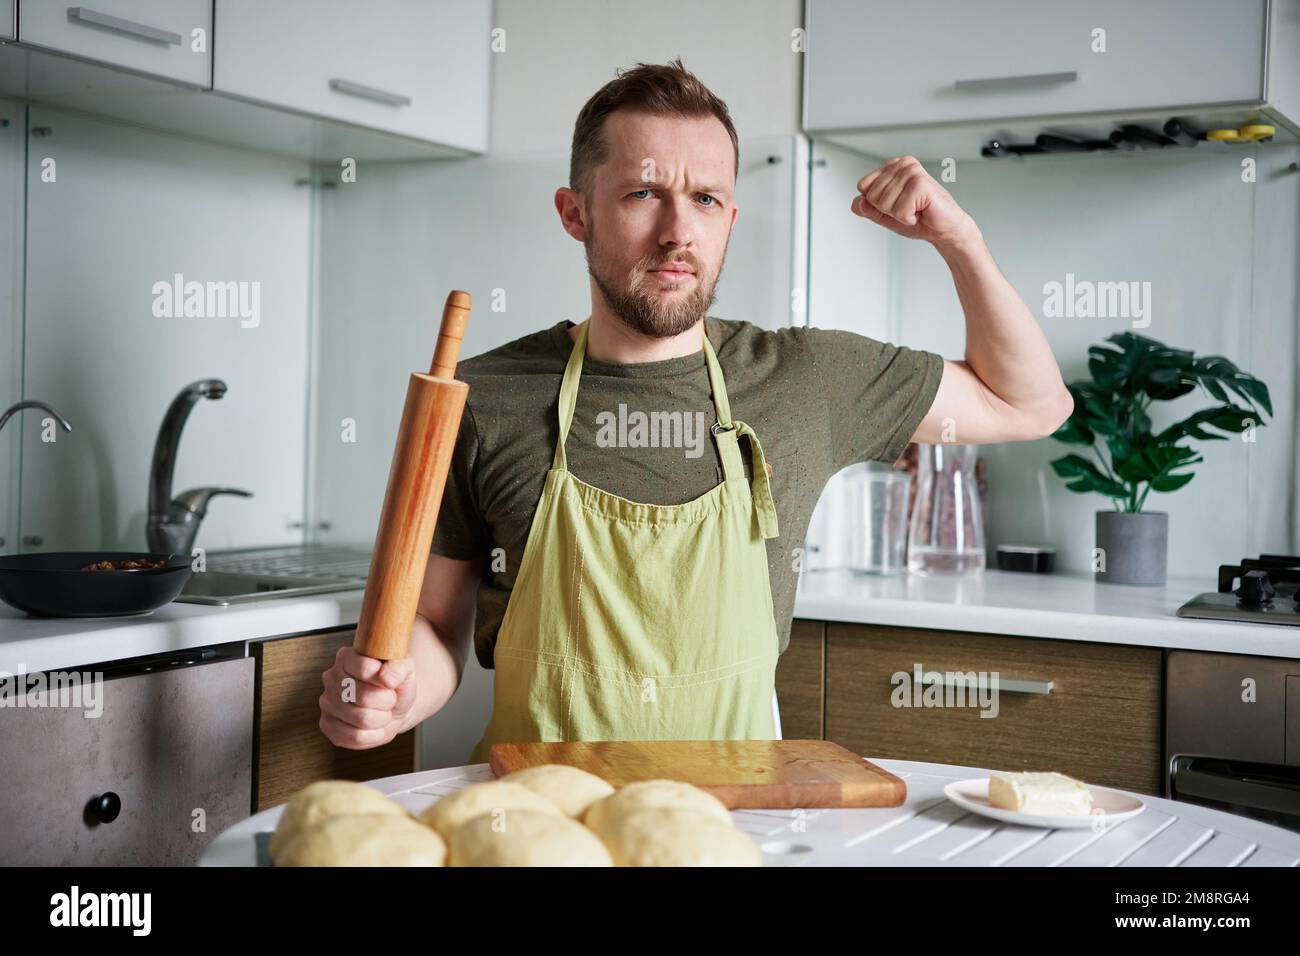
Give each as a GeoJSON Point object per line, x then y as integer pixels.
{"type": "Point", "coordinates": [158, 38]}
{"type": "Point", "coordinates": [1100, 722]}
{"type": "Point", "coordinates": [922, 62]}
{"type": "Point", "coordinates": [407, 67]}
{"type": "Point", "coordinates": [801, 681]}
{"type": "Point", "coordinates": [8, 19]}
{"type": "Point", "coordinates": [291, 750]}
{"type": "Point", "coordinates": [13, 177]}
{"type": "Point", "coordinates": [143, 773]}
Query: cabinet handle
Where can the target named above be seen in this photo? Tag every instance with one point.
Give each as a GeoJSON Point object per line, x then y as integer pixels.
{"type": "Point", "coordinates": [1012, 82]}
{"type": "Point", "coordinates": [369, 93]}
{"type": "Point", "coordinates": [106, 807]}
{"type": "Point", "coordinates": [129, 27]}
{"type": "Point", "coordinates": [1006, 685]}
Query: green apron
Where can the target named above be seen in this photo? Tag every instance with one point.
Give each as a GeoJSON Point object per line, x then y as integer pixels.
{"type": "Point", "coordinates": [632, 621]}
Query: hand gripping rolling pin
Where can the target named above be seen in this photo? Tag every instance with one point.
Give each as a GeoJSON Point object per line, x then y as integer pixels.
{"type": "Point", "coordinates": [425, 441]}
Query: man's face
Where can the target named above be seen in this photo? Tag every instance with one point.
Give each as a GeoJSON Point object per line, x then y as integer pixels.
{"type": "Point", "coordinates": [658, 218]}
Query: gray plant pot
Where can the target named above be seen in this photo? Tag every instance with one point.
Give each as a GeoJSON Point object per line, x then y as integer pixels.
{"type": "Point", "coordinates": [1134, 546]}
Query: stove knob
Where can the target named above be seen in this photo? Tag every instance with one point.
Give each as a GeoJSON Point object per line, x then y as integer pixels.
{"type": "Point", "coordinates": [1256, 589]}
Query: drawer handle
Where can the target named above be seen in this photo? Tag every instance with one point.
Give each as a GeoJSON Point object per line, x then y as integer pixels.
{"type": "Point", "coordinates": [106, 807]}
{"type": "Point", "coordinates": [141, 31]}
{"type": "Point", "coordinates": [1006, 685]}
{"type": "Point", "coordinates": [1014, 82]}
{"type": "Point", "coordinates": [369, 93]}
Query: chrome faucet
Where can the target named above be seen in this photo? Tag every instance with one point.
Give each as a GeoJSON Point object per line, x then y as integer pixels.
{"type": "Point", "coordinates": [173, 523]}
{"type": "Point", "coordinates": [19, 406]}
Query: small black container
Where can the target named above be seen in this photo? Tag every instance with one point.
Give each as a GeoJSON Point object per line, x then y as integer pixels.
{"type": "Point", "coordinates": [1024, 557]}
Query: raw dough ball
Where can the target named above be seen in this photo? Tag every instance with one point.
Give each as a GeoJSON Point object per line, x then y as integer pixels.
{"type": "Point", "coordinates": [367, 839]}
{"type": "Point", "coordinates": [526, 838]}
{"type": "Point", "coordinates": [480, 798]}
{"type": "Point", "coordinates": [317, 802]}
{"type": "Point", "coordinates": [671, 836]}
{"type": "Point", "coordinates": [654, 793]}
{"type": "Point", "coordinates": [570, 789]}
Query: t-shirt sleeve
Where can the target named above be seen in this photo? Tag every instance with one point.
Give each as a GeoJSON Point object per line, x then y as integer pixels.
{"type": "Point", "coordinates": [461, 531]}
{"type": "Point", "coordinates": [876, 393]}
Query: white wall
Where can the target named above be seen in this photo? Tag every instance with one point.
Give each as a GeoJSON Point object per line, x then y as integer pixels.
{"type": "Point", "coordinates": [1221, 258]}
{"type": "Point", "coordinates": [130, 208]}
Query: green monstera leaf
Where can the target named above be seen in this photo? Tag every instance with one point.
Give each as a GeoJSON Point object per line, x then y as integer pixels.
{"type": "Point", "coordinates": [1111, 417]}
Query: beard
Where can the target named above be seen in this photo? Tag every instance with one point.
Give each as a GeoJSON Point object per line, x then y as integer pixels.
{"type": "Point", "coordinates": [634, 298]}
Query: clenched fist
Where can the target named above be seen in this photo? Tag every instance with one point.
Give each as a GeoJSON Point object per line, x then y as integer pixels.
{"type": "Point", "coordinates": [903, 197]}
{"type": "Point", "coordinates": [365, 700]}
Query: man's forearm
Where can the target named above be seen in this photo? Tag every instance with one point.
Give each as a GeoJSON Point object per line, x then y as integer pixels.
{"type": "Point", "coordinates": [1005, 347]}
{"type": "Point", "coordinates": [438, 673]}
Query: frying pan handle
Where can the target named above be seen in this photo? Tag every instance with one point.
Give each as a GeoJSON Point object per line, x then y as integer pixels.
{"type": "Point", "coordinates": [451, 333]}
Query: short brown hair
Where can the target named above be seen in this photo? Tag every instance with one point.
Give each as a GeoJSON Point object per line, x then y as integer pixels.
{"type": "Point", "coordinates": [660, 90]}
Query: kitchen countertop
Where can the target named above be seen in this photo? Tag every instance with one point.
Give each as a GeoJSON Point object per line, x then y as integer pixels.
{"type": "Point", "coordinates": [32, 644]}
{"type": "Point", "coordinates": [1060, 606]}
{"type": "Point", "coordinates": [927, 830]}
{"type": "Point", "coordinates": [1071, 607]}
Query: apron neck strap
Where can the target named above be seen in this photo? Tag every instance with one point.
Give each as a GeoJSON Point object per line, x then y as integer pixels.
{"type": "Point", "coordinates": [569, 399]}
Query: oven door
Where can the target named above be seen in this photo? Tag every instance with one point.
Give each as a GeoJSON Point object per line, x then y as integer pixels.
{"type": "Point", "coordinates": [1232, 733]}
{"type": "Point", "coordinates": [1267, 792]}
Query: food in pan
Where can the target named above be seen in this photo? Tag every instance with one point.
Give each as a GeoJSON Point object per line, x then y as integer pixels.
{"type": "Point", "coordinates": [131, 564]}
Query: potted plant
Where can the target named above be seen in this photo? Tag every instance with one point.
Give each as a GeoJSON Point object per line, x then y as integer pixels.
{"type": "Point", "coordinates": [1111, 418]}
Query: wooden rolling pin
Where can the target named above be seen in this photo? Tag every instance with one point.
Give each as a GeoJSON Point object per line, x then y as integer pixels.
{"type": "Point", "coordinates": [425, 441]}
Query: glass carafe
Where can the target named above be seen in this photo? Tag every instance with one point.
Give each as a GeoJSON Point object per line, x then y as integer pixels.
{"type": "Point", "coordinates": [947, 529]}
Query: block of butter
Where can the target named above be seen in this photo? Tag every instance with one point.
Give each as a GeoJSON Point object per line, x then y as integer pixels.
{"type": "Point", "coordinates": [1042, 794]}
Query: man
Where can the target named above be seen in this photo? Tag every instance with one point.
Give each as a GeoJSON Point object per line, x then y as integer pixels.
{"type": "Point", "coordinates": [620, 532]}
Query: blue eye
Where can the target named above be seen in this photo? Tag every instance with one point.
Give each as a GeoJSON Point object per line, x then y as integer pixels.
{"type": "Point", "coordinates": [639, 191]}
{"type": "Point", "coordinates": [714, 202]}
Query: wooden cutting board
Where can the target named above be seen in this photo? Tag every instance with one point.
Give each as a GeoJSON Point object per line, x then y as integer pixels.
{"type": "Point", "coordinates": [759, 774]}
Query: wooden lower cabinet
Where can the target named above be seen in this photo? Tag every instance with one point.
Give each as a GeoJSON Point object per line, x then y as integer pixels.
{"type": "Point", "coordinates": [1100, 722]}
{"type": "Point", "coordinates": [290, 750]}
{"type": "Point", "coordinates": [801, 682]}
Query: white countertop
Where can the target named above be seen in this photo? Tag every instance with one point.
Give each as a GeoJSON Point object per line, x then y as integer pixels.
{"type": "Point", "coordinates": [1071, 607]}
{"type": "Point", "coordinates": [1061, 606]}
{"type": "Point", "coordinates": [927, 830]}
{"type": "Point", "coordinates": [31, 644]}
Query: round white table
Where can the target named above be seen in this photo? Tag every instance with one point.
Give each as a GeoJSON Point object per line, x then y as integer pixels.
{"type": "Point", "coordinates": [927, 830]}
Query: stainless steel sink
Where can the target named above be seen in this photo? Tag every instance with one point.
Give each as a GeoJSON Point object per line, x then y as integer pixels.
{"type": "Point", "coordinates": [260, 574]}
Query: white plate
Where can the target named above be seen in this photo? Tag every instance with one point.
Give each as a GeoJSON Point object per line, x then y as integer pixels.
{"type": "Point", "coordinates": [1109, 807]}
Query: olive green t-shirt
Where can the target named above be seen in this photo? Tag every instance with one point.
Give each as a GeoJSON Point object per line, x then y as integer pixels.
{"type": "Point", "coordinates": [818, 399]}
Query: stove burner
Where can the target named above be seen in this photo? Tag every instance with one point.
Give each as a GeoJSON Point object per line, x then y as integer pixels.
{"type": "Point", "coordinates": [1263, 590]}
{"type": "Point", "coordinates": [1256, 589]}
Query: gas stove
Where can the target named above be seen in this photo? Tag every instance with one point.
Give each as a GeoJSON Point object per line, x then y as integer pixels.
{"type": "Point", "coordinates": [1259, 590]}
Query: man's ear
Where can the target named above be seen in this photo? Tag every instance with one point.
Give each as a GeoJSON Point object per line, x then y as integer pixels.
{"type": "Point", "coordinates": [571, 205]}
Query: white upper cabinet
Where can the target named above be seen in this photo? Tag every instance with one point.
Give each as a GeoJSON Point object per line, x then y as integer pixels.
{"type": "Point", "coordinates": [411, 67]}
{"type": "Point", "coordinates": [891, 63]}
{"type": "Point", "coordinates": [171, 39]}
{"type": "Point", "coordinates": [8, 19]}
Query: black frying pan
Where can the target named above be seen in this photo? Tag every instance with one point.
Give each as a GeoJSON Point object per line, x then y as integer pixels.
{"type": "Point", "coordinates": [54, 585]}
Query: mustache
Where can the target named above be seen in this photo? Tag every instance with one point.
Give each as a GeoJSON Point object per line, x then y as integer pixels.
{"type": "Point", "coordinates": [649, 262]}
